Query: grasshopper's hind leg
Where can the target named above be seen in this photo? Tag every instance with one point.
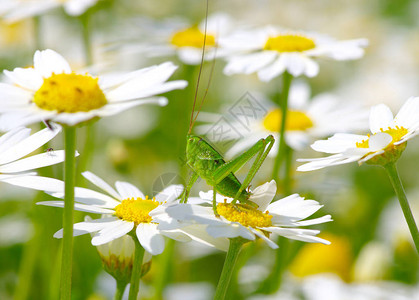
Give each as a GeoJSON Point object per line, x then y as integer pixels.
{"type": "Point", "coordinates": [263, 153]}
{"type": "Point", "coordinates": [261, 148]}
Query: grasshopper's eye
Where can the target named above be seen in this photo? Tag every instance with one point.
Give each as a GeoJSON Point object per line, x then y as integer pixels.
{"type": "Point", "coordinates": [190, 139]}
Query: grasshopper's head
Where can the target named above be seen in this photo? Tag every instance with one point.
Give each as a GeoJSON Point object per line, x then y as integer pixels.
{"type": "Point", "coordinates": [192, 142]}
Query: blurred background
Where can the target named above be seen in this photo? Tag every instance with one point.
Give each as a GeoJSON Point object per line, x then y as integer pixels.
{"type": "Point", "coordinates": [372, 255]}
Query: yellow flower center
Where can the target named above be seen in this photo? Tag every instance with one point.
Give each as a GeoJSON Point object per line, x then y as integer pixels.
{"type": "Point", "coordinates": [244, 214]}
{"type": "Point", "coordinates": [192, 37]}
{"type": "Point", "coordinates": [136, 210]}
{"type": "Point", "coordinates": [396, 133]}
{"type": "Point", "coordinates": [69, 93]}
{"type": "Point", "coordinates": [289, 43]}
{"type": "Point", "coordinates": [296, 120]}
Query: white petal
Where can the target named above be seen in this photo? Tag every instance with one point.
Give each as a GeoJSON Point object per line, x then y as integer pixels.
{"type": "Point", "coordinates": [311, 67]}
{"type": "Point", "coordinates": [338, 143]}
{"type": "Point", "coordinates": [170, 193]}
{"type": "Point", "coordinates": [305, 235]}
{"type": "Point", "coordinates": [190, 55]}
{"type": "Point", "coordinates": [127, 190]}
{"type": "Point", "coordinates": [264, 194]}
{"type": "Point", "coordinates": [249, 63]}
{"type": "Point", "coordinates": [379, 141]}
{"type": "Point", "coordinates": [37, 183]}
{"type": "Point", "coordinates": [100, 183]}
{"type": "Point", "coordinates": [89, 226]}
{"type": "Point", "coordinates": [408, 114]}
{"type": "Point", "coordinates": [272, 70]}
{"type": "Point", "coordinates": [116, 108]}
{"type": "Point", "coordinates": [14, 96]}
{"type": "Point", "coordinates": [13, 137]}
{"type": "Point", "coordinates": [294, 63]}
{"type": "Point", "coordinates": [199, 233]}
{"type": "Point", "coordinates": [73, 119]}
{"type": "Point", "coordinates": [132, 92]}
{"type": "Point", "coordinates": [381, 117]}
{"type": "Point", "coordinates": [77, 206]}
{"type": "Point", "coordinates": [294, 206]}
{"type": "Point", "coordinates": [150, 238]}
{"type": "Point", "coordinates": [230, 230]}
{"type": "Point", "coordinates": [78, 7]}
{"type": "Point", "coordinates": [147, 83]}
{"type": "Point", "coordinates": [48, 61]}
{"type": "Point", "coordinates": [112, 232]}
{"type": "Point", "coordinates": [87, 196]}
{"type": "Point", "coordinates": [34, 162]}
{"type": "Point", "coordinates": [190, 212]}
{"type": "Point", "coordinates": [27, 78]}
{"type": "Point", "coordinates": [324, 219]}
{"type": "Point", "coordinates": [29, 144]}
{"type": "Point", "coordinates": [176, 235]}
{"type": "Point", "coordinates": [263, 237]}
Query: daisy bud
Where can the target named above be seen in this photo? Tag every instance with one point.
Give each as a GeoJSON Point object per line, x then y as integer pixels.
{"type": "Point", "coordinates": [118, 256]}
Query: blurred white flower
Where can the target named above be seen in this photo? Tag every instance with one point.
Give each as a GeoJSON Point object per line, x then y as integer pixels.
{"type": "Point", "coordinates": [52, 91]}
{"type": "Point", "coordinates": [270, 51]}
{"type": "Point", "coordinates": [387, 142]}
{"type": "Point", "coordinates": [184, 40]}
{"type": "Point", "coordinates": [307, 120]}
{"type": "Point", "coordinates": [16, 10]}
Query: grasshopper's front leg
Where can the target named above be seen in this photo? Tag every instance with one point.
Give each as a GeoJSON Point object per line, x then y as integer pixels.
{"type": "Point", "coordinates": [262, 148]}
{"type": "Point", "coordinates": [188, 188]}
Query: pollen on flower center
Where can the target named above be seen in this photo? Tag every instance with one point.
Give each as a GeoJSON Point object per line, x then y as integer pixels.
{"type": "Point", "coordinates": [245, 215]}
{"type": "Point", "coordinates": [136, 210]}
{"type": "Point", "coordinates": [192, 37]}
{"type": "Point", "coordinates": [396, 133]}
{"type": "Point", "coordinates": [289, 43]}
{"type": "Point", "coordinates": [296, 120]}
{"type": "Point", "coordinates": [70, 93]}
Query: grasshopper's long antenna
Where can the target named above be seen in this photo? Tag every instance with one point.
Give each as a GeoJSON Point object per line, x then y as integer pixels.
{"type": "Point", "coordinates": [192, 121]}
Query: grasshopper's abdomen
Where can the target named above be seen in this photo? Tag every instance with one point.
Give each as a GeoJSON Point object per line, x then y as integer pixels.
{"type": "Point", "coordinates": [205, 160]}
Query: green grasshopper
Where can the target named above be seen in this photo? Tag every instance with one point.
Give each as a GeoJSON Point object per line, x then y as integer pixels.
{"type": "Point", "coordinates": [208, 163]}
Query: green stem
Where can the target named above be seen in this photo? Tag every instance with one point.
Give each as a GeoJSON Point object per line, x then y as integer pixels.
{"type": "Point", "coordinates": [165, 269]}
{"type": "Point", "coordinates": [288, 170]}
{"type": "Point", "coordinates": [228, 268]}
{"type": "Point", "coordinates": [37, 32]}
{"type": "Point", "coordinates": [69, 179]}
{"type": "Point", "coordinates": [88, 147]}
{"type": "Point", "coordinates": [136, 270]}
{"type": "Point", "coordinates": [398, 188]}
{"type": "Point", "coordinates": [287, 78]}
{"type": "Point", "coordinates": [87, 42]}
{"type": "Point", "coordinates": [120, 288]}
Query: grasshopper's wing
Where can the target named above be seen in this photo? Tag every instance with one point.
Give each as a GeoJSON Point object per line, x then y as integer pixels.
{"type": "Point", "coordinates": [209, 153]}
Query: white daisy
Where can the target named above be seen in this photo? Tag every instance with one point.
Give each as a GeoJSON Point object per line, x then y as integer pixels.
{"type": "Point", "coordinates": [270, 51]}
{"type": "Point", "coordinates": [124, 209]}
{"type": "Point", "coordinates": [281, 217]}
{"type": "Point", "coordinates": [385, 143]}
{"type": "Point", "coordinates": [17, 143]}
{"type": "Point", "coordinates": [307, 120]}
{"type": "Point", "coordinates": [52, 91]}
{"type": "Point", "coordinates": [16, 10]}
{"type": "Point", "coordinates": [185, 40]}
